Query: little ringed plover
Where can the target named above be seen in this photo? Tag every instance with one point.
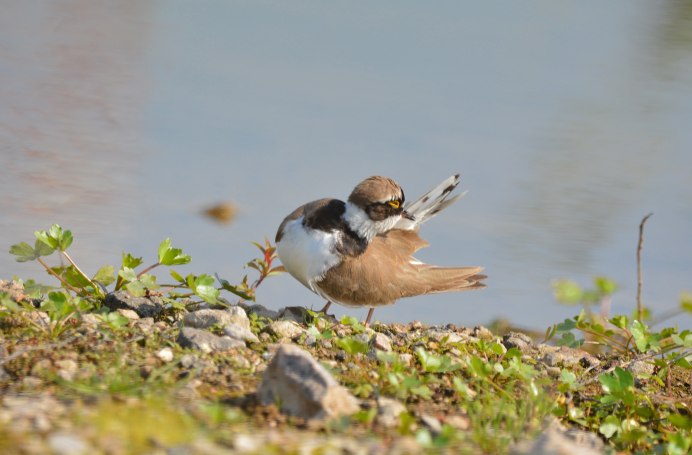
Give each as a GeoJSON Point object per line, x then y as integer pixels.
{"type": "Point", "coordinates": [359, 253]}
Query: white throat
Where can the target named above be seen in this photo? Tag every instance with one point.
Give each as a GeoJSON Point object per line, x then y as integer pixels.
{"type": "Point", "coordinates": [361, 224]}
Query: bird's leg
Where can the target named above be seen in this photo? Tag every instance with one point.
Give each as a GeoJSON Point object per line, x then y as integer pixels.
{"type": "Point", "coordinates": [367, 320]}
{"type": "Point", "coordinates": [326, 307]}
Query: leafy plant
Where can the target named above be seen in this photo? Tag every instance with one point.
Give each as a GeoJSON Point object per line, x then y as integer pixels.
{"type": "Point", "coordinates": [138, 283]}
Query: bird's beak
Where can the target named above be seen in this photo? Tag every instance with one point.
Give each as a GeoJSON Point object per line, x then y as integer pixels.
{"type": "Point", "coordinates": [407, 215]}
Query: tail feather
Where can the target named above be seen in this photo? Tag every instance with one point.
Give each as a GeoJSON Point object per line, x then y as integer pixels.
{"type": "Point", "coordinates": [431, 203]}
{"type": "Point", "coordinates": [448, 279]}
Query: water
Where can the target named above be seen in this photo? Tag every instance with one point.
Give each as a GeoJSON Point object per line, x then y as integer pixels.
{"type": "Point", "coordinates": [568, 123]}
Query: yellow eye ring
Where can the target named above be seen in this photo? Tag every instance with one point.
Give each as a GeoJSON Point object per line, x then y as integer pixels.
{"type": "Point", "coordinates": [394, 204]}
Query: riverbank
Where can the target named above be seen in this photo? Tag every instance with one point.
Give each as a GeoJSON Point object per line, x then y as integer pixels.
{"type": "Point", "coordinates": [142, 375]}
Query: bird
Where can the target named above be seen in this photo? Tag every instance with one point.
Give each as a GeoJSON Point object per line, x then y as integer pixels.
{"type": "Point", "coordinates": [359, 252]}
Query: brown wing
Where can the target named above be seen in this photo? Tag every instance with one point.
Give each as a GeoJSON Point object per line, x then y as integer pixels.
{"type": "Point", "coordinates": [405, 242]}
{"type": "Point", "coordinates": [386, 272]}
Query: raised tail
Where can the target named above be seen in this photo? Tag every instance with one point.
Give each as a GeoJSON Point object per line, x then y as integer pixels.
{"type": "Point", "coordinates": [430, 204]}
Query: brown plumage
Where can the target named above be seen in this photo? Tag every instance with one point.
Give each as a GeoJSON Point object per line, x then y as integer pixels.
{"type": "Point", "coordinates": [386, 272]}
{"type": "Point", "coordinates": [359, 253]}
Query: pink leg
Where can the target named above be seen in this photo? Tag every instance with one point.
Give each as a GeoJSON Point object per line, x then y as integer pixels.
{"type": "Point", "coordinates": [367, 320]}
{"type": "Point", "coordinates": [326, 307]}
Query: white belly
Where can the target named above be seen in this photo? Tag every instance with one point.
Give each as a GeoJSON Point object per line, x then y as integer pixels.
{"type": "Point", "coordinates": [307, 255]}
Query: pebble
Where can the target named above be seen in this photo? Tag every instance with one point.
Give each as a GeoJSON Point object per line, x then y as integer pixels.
{"type": "Point", "coordinates": [517, 340]}
{"type": "Point", "coordinates": [67, 369]}
{"type": "Point", "coordinates": [382, 342]}
{"type": "Point", "coordinates": [165, 354]}
{"type": "Point", "coordinates": [203, 319]}
{"type": "Point", "coordinates": [67, 444]}
{"type": "Point", "coordinates": [206, 341]}
{"type": "Point", "coordinates": [285, 329]}
{"type": "Point", "coordinates": [129, 314]}
{"type": "Point", "coordinates": [388, 411]}
{"type": "Point", "coordinates": [240, 333]}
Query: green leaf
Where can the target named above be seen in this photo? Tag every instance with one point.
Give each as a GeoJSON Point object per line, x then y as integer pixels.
{"type": "Point", "coordinates": [127, 274]}
{"type": "Point", "coordinates": [567, 292]}
{"type": "Point", "coordinates": [619, 321]}
{"type": "Point", "coordinates": [605, 286]}
{"type": "Point", "coordinates": [56, 238]}
{"type": "Point", "coordinates": [176, 276]}
{"type": "Point", "coordinates": [24, 252]}
{"type": "Point", "coordinates": [74, 278]}
{"type": "Point", "coordinates": [203, 286]}
{"type": "Point", "coordinates": [149, 281]}
{"type": "Point", "coordinates": [640, 334]}
{"type": "Point", "coordinates": [136, 288]}
{"type": "Point", "coordinates": [171, 256]}
{"type": "Point", "coordinates": [131, 261]}
{"type": "Point", "coordinates": [686, 302]}
{"type": "Point", "coordinates": [435, 364]}
{"type": "Point", "coordinates": [610, 426]}
{"type": "Point", "coordinates": [351, 345]}
{"type": "Point", "coordinates": [104, 275]}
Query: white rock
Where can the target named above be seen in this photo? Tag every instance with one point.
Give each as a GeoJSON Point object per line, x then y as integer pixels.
{"type": "Point", "coordinates": [165, 354]}
{"type": "Point", "coordinates": [296, 382]}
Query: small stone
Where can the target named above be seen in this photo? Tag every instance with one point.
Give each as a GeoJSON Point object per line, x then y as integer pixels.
{"type": "Point", "coordinates": [415, 325]}
{"type": "Point", "coordinates": [556, 439]}
{"type": "Point", "coordinates": [146, 325]}
{"type": "Point", "coordinates": [562, 355]}
{"type": "Point", "coordinates": [297, 314]}
{"type": "Point", "coordinates": [459, 422]}
{"type": "Point", "coordinates": [406, 358]}
{"type": "Point", "coordinates": [303, 387]}
{"type": "Point", "coordinates": [67, 369]}
{"type": "Point", "coordinates": [143, 306]}
{"type": "Point", "coordinates": [129, 314]}
{"type": "Point", "coordinates": [90, 320]}
{"type": "Point", "coordinates": [388, 412]}
{"type": "Point", "coordinates": [285, 329]}
{"type": "Point", "coordinates": [240, 333]}
{"type": "Point", "coordinates": [206, 341]}
{"type": "Point", "coordinates": [67, 444]}
{"type": "Point", "coordinates": [432, 423]}
{"type": "Point", "coordinates": [382, 342]}
{"type": "Point", "coordinates": [443, 336]}
{"type": "Point", "coordinates": [518, 340]}
{"type": "Point", "coordinates": [554, 372]}
{"type": "Point", "coordinates": [238, 317]}
{"type": "Point", "coordinates": [641, 368]}
{"type": "Point", "coordinates": [203, 319]}
{"type": "Point", "coordinates": [165, 354]}
{"type": "Point", "coordinates": [261, 311]}
{"type": "Point", "coordinates": [310, 340]}
{"type": "Point", "coordinates": [483, 333]}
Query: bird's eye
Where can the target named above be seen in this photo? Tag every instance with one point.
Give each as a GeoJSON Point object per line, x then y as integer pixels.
{"type": "Point", "coordinates": [394, 204]}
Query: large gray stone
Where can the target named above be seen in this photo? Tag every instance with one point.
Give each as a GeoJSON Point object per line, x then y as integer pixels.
{"type": "Point", "coordinates": [144, 307]}
{"type": "Point", "coordinates": [206, 341]}
{"type": "Point", "coordinates": [302, 387]}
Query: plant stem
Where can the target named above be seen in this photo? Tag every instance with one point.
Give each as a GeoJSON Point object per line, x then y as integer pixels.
{"type": "Point", "coordinates": [148, 269]}
{"type": "Point", "coordinates": [640, 307]}
{"type": "Point", "coordinates": [69, 259]}
{"type": "Point", "coordinates": [64, 283]}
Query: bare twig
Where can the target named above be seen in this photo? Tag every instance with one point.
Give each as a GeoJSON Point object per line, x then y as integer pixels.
{"type": "Point", "coordinates": [640, 307]}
